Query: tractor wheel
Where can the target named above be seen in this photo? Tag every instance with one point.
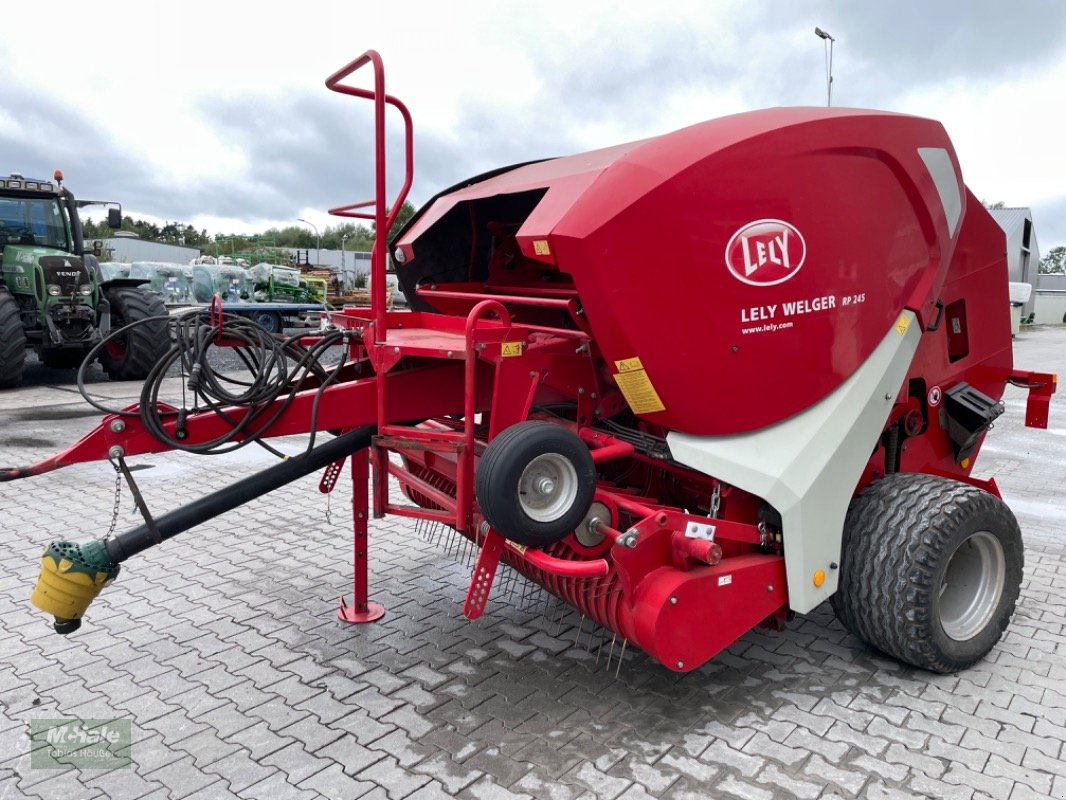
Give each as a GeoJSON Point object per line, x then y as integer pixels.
{"type": "Point", "coordinates": [930, 571]}
{"type": "Point", "coordinates": [535, 483]}
{"type": "Point", "coordinates": [62, 358]}
{"type": "Point", "coordinates": [270, 321]}
{"type": "Point", "coordinates": [12, 342]}
{"type": "Point", "coordinates": [132, 355]}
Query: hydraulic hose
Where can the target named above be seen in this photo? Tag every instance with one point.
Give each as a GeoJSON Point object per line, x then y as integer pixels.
{"type": "Point", "coordinates": [277, 369]}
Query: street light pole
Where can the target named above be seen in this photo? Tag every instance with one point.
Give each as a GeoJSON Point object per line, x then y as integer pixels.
{"type": "Point", "coordinates": [344, 274]}
{"type": "Point", "coordinates": [318, 241]}
{"type": "Point", "coordinates": [828, 63]}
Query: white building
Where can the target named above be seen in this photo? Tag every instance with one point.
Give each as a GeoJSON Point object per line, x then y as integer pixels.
{"type": "Point", "coordinates": [1050, 306]}
{"type": "Point", "coordinates": [128, 249]}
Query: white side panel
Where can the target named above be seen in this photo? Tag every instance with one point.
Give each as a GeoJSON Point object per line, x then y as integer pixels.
{"type": "Point", "coordinates": [808, 466]}
{"type": "Point", "coordinates": [938, 162]}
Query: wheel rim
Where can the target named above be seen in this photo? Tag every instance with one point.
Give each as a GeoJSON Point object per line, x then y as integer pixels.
{"type": "Point", "coordinates": [548, 487]}
{"type": "Point", "coordinates": [115, 349]}
{"type": "Point", "coordinates": [972, 586]}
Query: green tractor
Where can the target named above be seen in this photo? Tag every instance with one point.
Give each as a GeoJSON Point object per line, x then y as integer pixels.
{"type": "Point", "coordinates": [53, 297]}
{"type": "Point", "coordinates": [277, 284]}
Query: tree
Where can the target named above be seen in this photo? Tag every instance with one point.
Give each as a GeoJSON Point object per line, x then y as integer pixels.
{"type": "Point", "coordinates": [92, 230]}
{"type": "Point", "coordinates": [357, 237]}
{"type": "Point", "coordinates": [407, 210]}
{"type": "Point", "coordinates": [997, 204]}
{"type": "Point", "coordinates": [1054, 263]}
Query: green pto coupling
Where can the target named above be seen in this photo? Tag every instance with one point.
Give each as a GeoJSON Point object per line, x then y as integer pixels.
{"type": "Point", "coordinates": [71, 577]}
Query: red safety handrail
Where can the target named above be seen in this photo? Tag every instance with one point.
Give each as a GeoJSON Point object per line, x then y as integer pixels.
{"type": "Point", "coordinates": [383, 219]}
{"type": "Point", "coordinates": [217, 315]}
{"type": "Point", "coordinates": [464, 479]}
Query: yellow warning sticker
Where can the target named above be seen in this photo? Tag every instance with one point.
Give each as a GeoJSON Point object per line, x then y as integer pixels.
{"type": "Point", "coordinates": [639, 393]}
{"type": "Point", "coordinates": [903, 323]}
{"type": "Point", "coordinates": [521, 548]}
{"type": "Point", "coordinates": [629, 364]}
{"type": "Point", "coordinates": [540, 247]}
{"type": "Point", "coordinates": [508, 349]}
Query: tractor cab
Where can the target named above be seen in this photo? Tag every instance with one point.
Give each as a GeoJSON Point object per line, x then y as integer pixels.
{"type": "Point", "coordinates": [31, 213]}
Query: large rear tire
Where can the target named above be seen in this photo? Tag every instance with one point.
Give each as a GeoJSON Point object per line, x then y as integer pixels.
{"type": "Point", "coordinates": [132, 355]}
{"type": "Point", "coordinates": [931, 570]}
{"type": "Point", "coordinates": [12, 342]}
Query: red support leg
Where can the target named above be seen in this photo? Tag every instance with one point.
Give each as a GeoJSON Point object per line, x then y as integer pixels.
{"type": "Point", "coordinates": [379, 457]}
{"type": "Point", "coordinates": [481, 581]}
{"type": "Point", "coordinates": [361, 609]}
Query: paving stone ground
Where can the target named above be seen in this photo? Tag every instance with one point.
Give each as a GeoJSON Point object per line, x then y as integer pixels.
{"type": "Point", "coordinates": [223, 650]}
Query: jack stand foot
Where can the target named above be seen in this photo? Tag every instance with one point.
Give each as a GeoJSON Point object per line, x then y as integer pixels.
{"type": "Point", "coordinates": [352, 614]}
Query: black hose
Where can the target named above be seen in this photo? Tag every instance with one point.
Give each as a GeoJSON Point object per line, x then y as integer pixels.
{"type": "Point", "coordinates": [181, 519]}
{"type": "Point", "coordinates": [279, 369]}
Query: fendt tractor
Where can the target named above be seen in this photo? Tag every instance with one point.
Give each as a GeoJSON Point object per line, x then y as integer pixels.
{"type": "Point", "coordinates": [53, 299]}
{"type": "Point", "coordinates": [798, 425]}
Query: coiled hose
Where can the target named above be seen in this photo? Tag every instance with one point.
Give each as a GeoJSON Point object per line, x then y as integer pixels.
{"type": "Point", "coordinates": [278, 368]}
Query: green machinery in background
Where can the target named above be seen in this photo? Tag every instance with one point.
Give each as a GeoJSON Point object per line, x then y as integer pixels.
{"type": "Point", "coordinates": [53, 297]}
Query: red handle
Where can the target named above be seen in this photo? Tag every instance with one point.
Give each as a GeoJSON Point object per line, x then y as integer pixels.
{"type": "Point", "coordinates": [383, 217]}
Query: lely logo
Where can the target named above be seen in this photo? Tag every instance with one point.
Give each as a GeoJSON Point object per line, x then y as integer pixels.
{"type": "Point", "coordinates": [765, 252]}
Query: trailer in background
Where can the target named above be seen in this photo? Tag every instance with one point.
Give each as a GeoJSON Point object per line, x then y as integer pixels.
{"type": "Point", "coordinates": [185, 286]}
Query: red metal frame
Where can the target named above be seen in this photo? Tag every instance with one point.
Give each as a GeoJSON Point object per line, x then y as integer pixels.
{"type": "Point", "coordinates": [361, 610]}
{"type": "Point", "coordinates": [1041, 386]}
{"type": "Point", "coordinates": [383, 218]}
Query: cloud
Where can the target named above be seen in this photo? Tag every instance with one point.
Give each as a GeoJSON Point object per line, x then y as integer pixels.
{"type": "Point", "coordinates": [891, 49]}
{"type": "Point", "coordinates": [919, 42]}
{"type": "Point", "coordinates": [43, 134]}
{"type": "Point", "coordinates": [1049, 222]}
{"type": "Point", "coordinates": [317, 151]}
{"type": "Point", "coordinates": [189, 137]}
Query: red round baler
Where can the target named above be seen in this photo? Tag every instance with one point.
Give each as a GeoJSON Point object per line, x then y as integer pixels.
{"type": "Point", "coordinates": [689, 385]}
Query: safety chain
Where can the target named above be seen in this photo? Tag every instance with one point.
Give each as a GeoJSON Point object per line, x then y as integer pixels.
{"type": "Point", "coordinates": [118, 499]}
{"type": "Point", "coordinates": [716, 500]}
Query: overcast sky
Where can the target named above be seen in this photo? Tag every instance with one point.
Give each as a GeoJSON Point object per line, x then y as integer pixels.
{"type": "Point", "coordinates": [216, 113]}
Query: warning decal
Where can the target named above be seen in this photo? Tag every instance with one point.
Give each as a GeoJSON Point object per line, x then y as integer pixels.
{"type": "Point", "coordinates": [903, 323]}
{"type": "Point", "coordinates": [636, 387]}
{"type": "Point", "coordinates": [508, 349]}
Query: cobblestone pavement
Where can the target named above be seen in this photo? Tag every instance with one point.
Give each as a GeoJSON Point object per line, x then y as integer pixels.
{"type": "Point", "coordinates": [223, 650]}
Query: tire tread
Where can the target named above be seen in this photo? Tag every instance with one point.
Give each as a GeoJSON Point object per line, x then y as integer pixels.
{"type": "Point", "coordinates": [893, 549]}
{"type": "Point", "coordinates": [145, 344]}
{"type": "Point", "coordinates": [495, 504]}
{"type": "Point", "coordinates": [12, 342]}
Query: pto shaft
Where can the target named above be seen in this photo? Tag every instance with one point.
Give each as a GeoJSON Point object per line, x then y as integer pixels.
{"type": "Point", "coordinates": [72, 574]}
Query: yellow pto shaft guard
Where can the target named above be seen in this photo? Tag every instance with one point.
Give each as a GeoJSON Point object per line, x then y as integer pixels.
{"type": "Point", "coordinates": [71, 577]}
